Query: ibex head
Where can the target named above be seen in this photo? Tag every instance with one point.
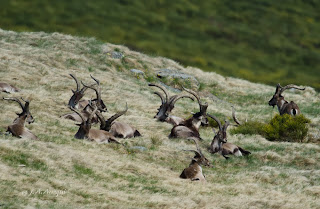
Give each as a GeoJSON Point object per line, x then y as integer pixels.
{"type": "Point", "coordinates": [167, 103]}
{"type": "Point", "coordinates": [98, 101]}
{"type": "Point", "coordinates": [203, 107]}
{"type": "Point", "coordinates": [199, 158]}
{"type": "Point", "coordinates": [277, 97]}
{"type": "Point", "coordinates": [25, 109]}
{"type": "Point", "coordinates": [85, 126]}
{"type": "Point", "coordinates": [77, 94]}
{"type": "Point", "coordinates": [220, 137]}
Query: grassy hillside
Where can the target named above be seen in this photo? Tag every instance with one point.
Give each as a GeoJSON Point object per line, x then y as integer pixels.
{"type": "Point", "coordinates": [89, 175]}
{"type": "Point", "coordinates": [266, 41]}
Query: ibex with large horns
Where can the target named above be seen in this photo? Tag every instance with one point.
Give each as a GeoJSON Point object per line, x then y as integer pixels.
{"type": "Point", "coordinates": [118, 129]}
{"type": "Point", "coordinates": [203, 107]}
{"type": "Point", "coordinates": [167, 105]}
{"type": "Point", "coordinates": [194, 171]}
{"type": "Point", "coordinates": [188, 129]}
{"type": "Point", "coordinates": [8, 88]}
{"type": "Point", "coordinates": [75, 100]}
{"type": "Point", "coordinates": [285, 107]}
{"type": "Point", "coordinates": [86, 111]}
{"type": "Point", "coordinates": [85, 131]}
{"type": "Point", "coordinates": [18, 128]}
{"type": "Point", "coordinates": [220, 145]}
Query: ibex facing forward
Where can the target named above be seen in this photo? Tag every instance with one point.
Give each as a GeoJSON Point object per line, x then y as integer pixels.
{"type": "Point", "coordinates": [284, 107]}
{"type": "Point", "coordinates": [18, 128]}
{"type": "Point", "coordinates": [194, 171]}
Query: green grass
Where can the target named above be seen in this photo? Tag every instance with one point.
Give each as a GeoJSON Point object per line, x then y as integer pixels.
{"type": "Point", "coordinates": [266, 41]}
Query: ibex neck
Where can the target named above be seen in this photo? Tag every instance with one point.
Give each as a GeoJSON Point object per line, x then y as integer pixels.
{"type": "Point", "coordinates": [20, 120]}
{"type": "Point", "coordinates": [280, 104]}
{"type": "Point", "coordinates": [81, 134]}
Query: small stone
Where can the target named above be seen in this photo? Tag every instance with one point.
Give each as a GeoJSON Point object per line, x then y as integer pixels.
{"type": "Point", "coordinates": [140, 148]}
{"type": "Point", "coordinates": [168, 73]}
{"type": "Point", "coordinates": [116, 55]}
{"type": "Point", "coordinates": [137, 72]}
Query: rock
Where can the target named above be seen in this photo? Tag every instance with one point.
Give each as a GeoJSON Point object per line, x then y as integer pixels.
{"type": "Point", "coordinates": [140, 148]}
{"type": "Point", "coordinates": [115, 55]}
{"type": "Point", "coordinates": [173, 74]}
{"type": "Point", "coordinates": [137, 72]}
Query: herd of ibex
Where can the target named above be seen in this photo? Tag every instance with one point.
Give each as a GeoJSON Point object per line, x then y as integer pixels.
{"type": "Point", "coordinates": [88, 112]}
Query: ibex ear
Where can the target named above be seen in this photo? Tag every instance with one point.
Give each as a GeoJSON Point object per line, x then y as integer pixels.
{"type": "Point", "coordinates": [72, 91]}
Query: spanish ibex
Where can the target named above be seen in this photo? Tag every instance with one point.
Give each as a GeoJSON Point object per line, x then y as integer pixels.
{"type": "Point", "coordinates": [167, 105]}
{"type": "Point", "coordinates": [220, 145]}
{"type": "Point", "coordinates": [18, 128]}
{"type": "Point", "coordinates": [85, 131]}
{"type": "Point", "coordinates": [8, 88]}
{"type": "Point", "coordinates": [86, 111]}
{"type": "Point", "coordinates": [118, 129]}
{"type": "Point", "coordinates": [285, 107]}
{"type": "Point", "coordinates": [203, 107]}
{"type": "Point", "coordinates": [194, 171]}
{"type": "Point", "coordinates": [188, 129]}
{"type": "Point", "coordinates": [75, 100]}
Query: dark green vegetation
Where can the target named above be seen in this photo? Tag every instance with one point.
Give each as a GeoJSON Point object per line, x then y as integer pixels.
{"type": "Point", "coordinates": [265, 41]}
{"type": "Point", "coordinates": [280, 128]}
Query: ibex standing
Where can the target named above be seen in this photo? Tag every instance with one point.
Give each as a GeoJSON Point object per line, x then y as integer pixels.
{"type": "Point", "coordinates": [220, 145]}
{"type": "Point", "coordinates": [118, 129]}
{"type": "Point", "coordinates": [285, 107]}
{"type": "Point", "coordinates": [194, 171]}
{"type": "Point", "coordinates": [18, 128]}
{"type": "Point", "coordinates": [167, 105]}
{"type": "Point", "coordinates": [85, 131]}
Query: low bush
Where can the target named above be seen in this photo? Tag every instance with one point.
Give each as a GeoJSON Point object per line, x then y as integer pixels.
{"type": "Point", "coordinates": [280, 128]}
{"type": "Point", "coordinates": [287, 128]}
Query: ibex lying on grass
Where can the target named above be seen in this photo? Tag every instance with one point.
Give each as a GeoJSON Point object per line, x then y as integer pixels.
{"type": "Point", "coordinates": [75, 101]}
{"type": "Point", "coordinates": [118, 129]}
{"type": "Point", "coordinates": [284, 107]}
{"type": "Point", "coordinates": [5, 87]}
{"type": "Point", "coordinates": [203, 107]}
{"type": "Point", "coordinates": [86, 111]}
{"type": "Point", "coordinates": [18, 128]}
{"type": "Point", "coordinates": [219, 143]}
{"type": "Point", "coordinates": [194, 171]}
{"type": "Point", "coordinates": [85, 131]}
{"type": "Point", "coordinates": [188, 129]}
{"type": "Point", "coordinates": [167, 105]}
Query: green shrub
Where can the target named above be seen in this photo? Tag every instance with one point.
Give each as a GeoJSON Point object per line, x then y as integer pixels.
{"type": "Point", "coordinates": [250, 128]}
{"type": "Point", "coordinates": [287, 128]}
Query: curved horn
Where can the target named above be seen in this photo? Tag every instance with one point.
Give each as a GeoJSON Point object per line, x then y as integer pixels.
{"type": "Point", "coordinates": [115, 116]}
{"type": "Point", "coordinates": [101, 119]}
{"type": "Point", "coordinates": [162, 88]}
{"type": "Point", "coordinates": [174, 100]}
{"type": "Point", "coordinates": [225, 126]}
{"type": "Point", "coordinates": [190, 150]}
{"type": "Point", "coordinates": [96, 80]}
{"type": "Point", "coordinates": [77, 82]}
{"type": "Point", "coordinates": [97, 90]}
{"type": "Point", "coordinates": [197, 145]}
{"type": "Point", "coordinates": [76, 111]}
{"type": "Point", "coordinates": [234, 116]}
{"type": "Point", "coordinates": [95, 108]}
{"type": "Point", "coordinates": [290, 86]}
{"type": "Point", "coordinates": [217, 120]}
{"type": "Point", "coordinates": [16, 100]}
{"type": "Point", "coordinates": [161, 97]}
{"type": "Point", "coordinates": [26, 105]}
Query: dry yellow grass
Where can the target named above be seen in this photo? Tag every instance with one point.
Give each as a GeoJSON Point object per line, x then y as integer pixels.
{"type": "Point", "coordinates": [74, 173]}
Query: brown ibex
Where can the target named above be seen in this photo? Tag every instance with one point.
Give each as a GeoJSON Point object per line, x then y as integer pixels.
{"type": "Point", "coordinates": [8, 88]}
{"type": "Point", "coordinates": [85, 131]}
{"type": "Point", "coordinates": [75, 101]}
{"type": "Point", "coordinates": [167, 105]}
{"type": "Point", "coordinates": [194, 171]}
{"type": "Point", "coordinates": [285, 107]}
{"type": "Point", "coordinates": [203, 107]}
{"type": "Point", "coordinates": [188, 129]}
{"type": "Point", "coordinates": [86, 111]}
{"type": "Point", "coordinates": [118, 129]}
{"type": "Point", "coordinates": [220, 145]}
{"type": "Point", "coordinates": [18, 128]}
